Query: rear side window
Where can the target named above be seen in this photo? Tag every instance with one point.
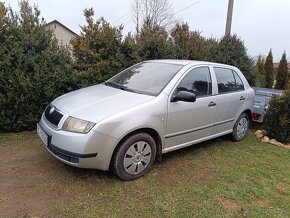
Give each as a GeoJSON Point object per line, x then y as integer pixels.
{"type": "Point", "coordinates": [239, 82]}
{"type": "Point", "coordinates": [228, 80]}
{"type": "Point", "coordinates": [197, 81]}
{"type": "Point", "coordinates": [225, 79]}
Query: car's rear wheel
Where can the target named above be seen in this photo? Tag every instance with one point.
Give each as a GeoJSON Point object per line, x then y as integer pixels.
{"type": "Point", "coordinates": [135, 156]}
{"type": "Point", "coordinates": [240, 128]}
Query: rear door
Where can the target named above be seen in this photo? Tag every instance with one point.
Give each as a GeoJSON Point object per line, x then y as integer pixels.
{"type": "Point", "coordinates": [190, 121]}
{"type": "Point", "coordinates": [230, 99]}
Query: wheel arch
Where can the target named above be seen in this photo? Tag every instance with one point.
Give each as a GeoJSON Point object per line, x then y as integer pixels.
{"type": "Point", "coordinates": [152, 132]}
{"type": "Point", "coordinates": [249, 113]}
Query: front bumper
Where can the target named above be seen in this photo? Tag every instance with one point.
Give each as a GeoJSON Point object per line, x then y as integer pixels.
{"type": "Point", "coordinates": [92, 150]}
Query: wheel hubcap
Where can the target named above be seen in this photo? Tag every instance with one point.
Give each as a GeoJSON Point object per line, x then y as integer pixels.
{"type": "Point", "coordinates": [137, 157]}
{"type": "Point", "coordinates": [242, 127]}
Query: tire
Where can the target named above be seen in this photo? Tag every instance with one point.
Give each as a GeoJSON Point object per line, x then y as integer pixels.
{"type": "Point", "coordinates": [135, 156]}
{"type": "Point", "coordinates": [241, 127]}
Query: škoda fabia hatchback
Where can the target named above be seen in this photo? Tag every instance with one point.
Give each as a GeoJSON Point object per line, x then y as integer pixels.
{"type": "Point", "coordinates": [151, 108]}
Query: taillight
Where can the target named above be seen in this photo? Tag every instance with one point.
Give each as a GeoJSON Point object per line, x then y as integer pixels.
{"type": "Point", "coordinates": [255, 116]}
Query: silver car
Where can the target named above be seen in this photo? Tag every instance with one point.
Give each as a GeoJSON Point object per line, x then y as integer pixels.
{"type": "Point", "coordinates": [151, 108]}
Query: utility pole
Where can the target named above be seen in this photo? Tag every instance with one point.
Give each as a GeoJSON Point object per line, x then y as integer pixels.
{"type": "Point", "coordinates": [229, 18]}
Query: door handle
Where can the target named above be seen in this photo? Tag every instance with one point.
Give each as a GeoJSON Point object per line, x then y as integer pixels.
{"type": "Point", "coordinates": [211, 104]}
{"type": "Point", "coordinates": [242, 98]}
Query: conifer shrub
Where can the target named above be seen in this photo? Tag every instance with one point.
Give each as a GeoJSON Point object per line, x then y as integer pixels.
{"type": "Point", "coordinates": [282, 74]}
{"type": "Point", "coordinates": [277, 118]}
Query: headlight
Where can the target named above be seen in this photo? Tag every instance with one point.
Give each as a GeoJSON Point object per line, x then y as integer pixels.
{"type": "Point", "coordinates": [77, 125]}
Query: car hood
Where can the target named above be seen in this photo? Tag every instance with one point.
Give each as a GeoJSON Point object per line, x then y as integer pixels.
{"type": "Point", "coordinates": [98, 102]}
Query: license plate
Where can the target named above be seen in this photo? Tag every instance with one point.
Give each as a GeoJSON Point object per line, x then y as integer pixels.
{"type": "Point", "coordinates": [43, 136]}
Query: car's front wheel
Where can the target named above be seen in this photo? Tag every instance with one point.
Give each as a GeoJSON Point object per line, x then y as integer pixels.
{"type": "Point", "coordinates": [135, 156]}
{"type": "Point", "coordinates": [241, 127]}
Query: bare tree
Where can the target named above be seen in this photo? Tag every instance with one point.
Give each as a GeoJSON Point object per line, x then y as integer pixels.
{"type": "Point", "coordinates": [136, 8]}
{"type": "Point", "coordinates": [153, 13]}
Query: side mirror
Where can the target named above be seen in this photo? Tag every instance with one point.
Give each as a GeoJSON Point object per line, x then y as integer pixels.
{"type": "Point", "coordinates": [184, 96]}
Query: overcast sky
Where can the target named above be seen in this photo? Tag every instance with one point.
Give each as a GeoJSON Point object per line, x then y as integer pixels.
{"type": "Point", "coordinates": [262, 24]}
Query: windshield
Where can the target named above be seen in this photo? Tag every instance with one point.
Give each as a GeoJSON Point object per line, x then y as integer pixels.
{"type": "Point", "coordinates": [146, 78]}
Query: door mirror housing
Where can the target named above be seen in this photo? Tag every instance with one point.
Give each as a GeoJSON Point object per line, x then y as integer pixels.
{"type": "Point", "coordinates": [184, 96]}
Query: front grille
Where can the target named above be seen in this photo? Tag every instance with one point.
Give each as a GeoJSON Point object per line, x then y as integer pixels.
{"type": "Point", "coordinates": [54, 116]}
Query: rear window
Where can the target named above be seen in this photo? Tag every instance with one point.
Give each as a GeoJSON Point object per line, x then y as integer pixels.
{"type": "Point", "coordinates": [228, 80]}
{"type": "Point", "coordinates": [239, 82]}
{"type": "Point", "coordinates": [225, 79]}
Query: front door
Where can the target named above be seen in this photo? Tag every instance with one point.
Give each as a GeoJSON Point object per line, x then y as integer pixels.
{"type": "Point", "coordinates": [191, 121]}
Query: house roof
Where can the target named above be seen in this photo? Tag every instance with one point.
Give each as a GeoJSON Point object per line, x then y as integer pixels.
{"type": "Point", "coordinates": [276, 65]}
{"type": "Point", "coordinates": [59, 23]}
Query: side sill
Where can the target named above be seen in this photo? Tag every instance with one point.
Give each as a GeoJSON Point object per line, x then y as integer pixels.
{"type": "Point", "coordinates": [176, 147]}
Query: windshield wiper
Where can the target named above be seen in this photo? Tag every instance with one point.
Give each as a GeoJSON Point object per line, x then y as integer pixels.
{"type": "Point", "coordinates": [118, 86]}
{"type": "Point", "coordinates": [114, 85]}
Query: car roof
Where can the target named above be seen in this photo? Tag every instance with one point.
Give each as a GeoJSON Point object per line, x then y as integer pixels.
{"type": "Point", "coordinates": [186, 62]}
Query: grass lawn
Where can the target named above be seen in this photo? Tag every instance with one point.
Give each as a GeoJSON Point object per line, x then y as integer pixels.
{"type": "Point", "coordinates": [218, 178]}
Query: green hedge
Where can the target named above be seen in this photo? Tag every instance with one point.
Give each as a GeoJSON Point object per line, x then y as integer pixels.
{"type": "Point", "coordinates": [277, 118]}
{"type": "Point", "coordinates": [34, 69]}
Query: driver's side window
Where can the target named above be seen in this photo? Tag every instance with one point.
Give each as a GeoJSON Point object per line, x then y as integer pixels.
{"type": "Point", "coordinates": [197, 81]}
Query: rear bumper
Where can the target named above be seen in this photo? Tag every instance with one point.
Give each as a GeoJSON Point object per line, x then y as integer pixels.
{"type": "Point", "coordinates": [92, 150]}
